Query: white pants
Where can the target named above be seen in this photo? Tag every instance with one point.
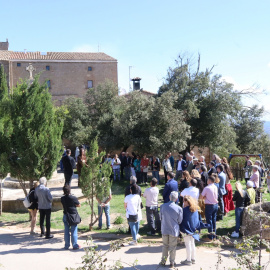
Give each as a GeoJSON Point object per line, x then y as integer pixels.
{"type": "Point", "coordinates": [190, 247]}
{"type": "Point", "coordinates": [133, 172]}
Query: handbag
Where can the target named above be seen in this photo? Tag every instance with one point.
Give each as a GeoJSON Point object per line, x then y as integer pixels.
{"type": "Point", "coordinates": [133, 218]}
{"type": "Point", "coordinates": [72, 219]}
{"type": "Point", "coordinates": [26, 201]}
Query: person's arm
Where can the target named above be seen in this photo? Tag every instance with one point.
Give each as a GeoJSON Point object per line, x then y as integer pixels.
{"type": "Point", "coordinates": [180, 216]}
{"type": "Point", "coordinates": [99, 201]}
{"type": "Point", "coordinates": [49, 196]}
{"type": "Point", "coordinates": [78, 205]}
{"type": "Point", "coordinates": [165, 191]}
{"type": "Point", "coordinates": [109, 198]}
{"type": "Point", "coordinates": [125, 205]}
{"type": "Point", "coordinates": [235, 196]}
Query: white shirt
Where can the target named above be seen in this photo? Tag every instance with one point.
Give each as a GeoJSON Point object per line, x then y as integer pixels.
{"type": "Point", "coordinates": [133, 202]}
{"type": "Point", "coordinates": [179, 167]}
{"type": "Point", "coordinates": [151, 195]}
{"type": "Point", "coordinates": [192, 192]}
{"type": "Point", "coordinates": [116, 166]}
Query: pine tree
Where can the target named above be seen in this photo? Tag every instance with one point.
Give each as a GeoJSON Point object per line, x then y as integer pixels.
{"type": "Point", "coordinates": [36, 139]}
{"type": "Point", "coordinates": [94, 181]}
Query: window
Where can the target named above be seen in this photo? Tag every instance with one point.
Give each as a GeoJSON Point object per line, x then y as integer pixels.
{"type": "Point", "coordinates": [18, 64]}
{"type": "Point", "coordinates": [89, 68]}
{"type": "Point", "coordinates": [49, 84]}
{"type": "Point", "coordinates": [89, 84]}
{"type": "Point", "coordinates": [47, 67]}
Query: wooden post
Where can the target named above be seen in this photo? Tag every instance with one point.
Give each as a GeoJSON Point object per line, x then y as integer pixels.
{"type": "Point", "coordinates": [237, 171]}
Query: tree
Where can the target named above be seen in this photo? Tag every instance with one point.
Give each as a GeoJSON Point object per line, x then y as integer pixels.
{"type": "Point", "coordinates": [94, 181]}
{"type": "Point", "coordinates": [206, 101]}
{"type": "Point", "coordinates": [36, 139]}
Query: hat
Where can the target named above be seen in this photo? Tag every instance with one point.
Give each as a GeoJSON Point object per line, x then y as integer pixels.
{"type": "Point", "coordinates": [250, 184]}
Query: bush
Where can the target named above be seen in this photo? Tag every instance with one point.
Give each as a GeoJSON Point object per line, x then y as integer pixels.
{"type": "Point", "coordinates": [119, 220]}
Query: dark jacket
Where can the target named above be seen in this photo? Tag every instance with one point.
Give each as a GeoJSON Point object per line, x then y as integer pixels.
{"type": "Point", "coordinates": [32, 199]}
{"type": "Point", "coordinates": [170, 186]}
{"type": "Point", "coordinates": [211, 171]}
{"type": "Point", "coordinates": [172, 161]}
{"type": "Point", "coordinates": [69, 164]}
{"type": "Point", "coordinates": [155, 166]}
{"type": "Point", "coordinates": [204, 177]}
{"type": "Point", "coordinates": [183, 164]}
{"type": "Point", "coordinates": [184, 184]}
{"type": "Point", "coordinates": [241, 201]}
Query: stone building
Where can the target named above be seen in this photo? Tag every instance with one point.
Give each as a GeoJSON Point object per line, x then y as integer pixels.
{"type": "Point", "coordinates": [66, 73]}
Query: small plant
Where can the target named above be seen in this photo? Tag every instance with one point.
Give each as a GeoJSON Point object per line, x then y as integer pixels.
{"type": "Point", "coordinates": [119, 220]}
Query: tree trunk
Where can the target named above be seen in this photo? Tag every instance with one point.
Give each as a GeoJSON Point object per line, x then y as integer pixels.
{"type": "Point", "coordinates": [22, 184]}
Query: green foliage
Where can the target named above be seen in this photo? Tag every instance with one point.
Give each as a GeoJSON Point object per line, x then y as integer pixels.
{"type": "Point", "coordinates": [35, 142]}
{"type": "Point", "coordinates": [94, 181]}
{"type": "Point", "coordinates": [119, 220]}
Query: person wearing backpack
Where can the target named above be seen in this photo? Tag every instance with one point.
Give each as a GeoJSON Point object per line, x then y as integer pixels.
{"type": "Point", "coordinates": [33, 208]}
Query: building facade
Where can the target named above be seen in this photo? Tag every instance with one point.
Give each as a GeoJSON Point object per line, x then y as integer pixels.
{"type": "Point", "coordinates": [67, 74]}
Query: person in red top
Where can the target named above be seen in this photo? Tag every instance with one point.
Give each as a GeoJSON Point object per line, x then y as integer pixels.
{"type": "Point", "coordinates": [144, 168]}
{"type": "Point", "coordinates": [228, 198]}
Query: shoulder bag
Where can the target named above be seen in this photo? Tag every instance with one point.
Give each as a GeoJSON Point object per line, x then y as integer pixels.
{"type": "Point", "coordinates": [72, 219]}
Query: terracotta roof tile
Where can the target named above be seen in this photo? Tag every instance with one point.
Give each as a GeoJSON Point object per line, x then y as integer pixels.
{"type": "Point", "coordinates": [10, 55]}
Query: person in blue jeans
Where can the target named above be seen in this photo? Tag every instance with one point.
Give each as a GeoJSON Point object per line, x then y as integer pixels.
{"type": "Point", "coordinates": [104, 204]}
{"type": "Point", "coordinates": [70, 204]}
{"type": "Point", "coordinates": [116, 167]}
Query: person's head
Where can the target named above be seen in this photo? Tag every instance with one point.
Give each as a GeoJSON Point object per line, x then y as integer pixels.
{"type": "Point", "coordinates": [123, 153]}
{"type": "Point", "coordinates": [154, 158]}
{"type": "Point", "coordinates": [218, 160]}
{"type": "Point", "coordinates": [153, 182]}
{"type": "Point", "coordinates": [170, 175]}
{"type": "Point", "coordinates": [211, 164]}
{"type": "Point", "coordinates": [249, 184]}
{"type": "Point", "coordinates": [108, 155]}
{"type": "Point", "coordinates": [239, 188]}
{"type": "Point", "coordinates": [255, 168]}
{"type": "Point", "coordinates": [133, 180]}
{"type": "Point", "coordinates": [166, 157]}
{"type": "Point", "coordinates": [180, 157]}
{"type": "Point", "coordinates": [133, 154]}
{"type": "Point", "coordinates": [201, 158]}
{"type": "Point", "coordinates": [192, 153]}
{"type": "Point", "coordinates": [193, 205]}
{"type": "Point", "coordinates": [144, 156]}
{"type": "Point", "coordinates": [82, 152]}
{"type": "Point", "coordinates": [249, 163]}
{"type": "Point", "coordinates": [193, 182]}
{"type": "Point", "coordinates": [43, 181]}
{"type": "Point", "coordinates": [186, 175]}
{"type": "Point", "coordinates": [169, 154]}
{"type": "Point", "coordinates": [224, 160]}
{"type": "Point", "coordinates": [138, 157]}
{"type": "Point", "coordinates": [202, 169]}
{"type": "Point", "coordinates": [127, 154]}
{"type": "Point", "coordinates": [133, 189]}
{"type": "Point", "coordinates": [215, 175]}
{"type": "Point", "coordinates": [195, 174]}
{"type": "Point", "coordinates": [220, 168]}
{"type": "Point", "coordinates": [36, 184]}
{"type": "Point", "coordinates": [195, 161]}
{"type": "Point", "coordinates": [115, 156]}
{"type": "Point", "coordinates": [211, 180]}
{"type": "Point", "coordinates": [68, 152]}
{"type": "Point", "coordinates": [66, 189]}
{"type": "Point", "coordinates": [258, 163]}
{"type": "Point", "coordinates": [174, 196]}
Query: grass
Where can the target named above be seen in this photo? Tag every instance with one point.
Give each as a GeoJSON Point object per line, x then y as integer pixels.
{"type": "Point", "coordinates": [117, 214]}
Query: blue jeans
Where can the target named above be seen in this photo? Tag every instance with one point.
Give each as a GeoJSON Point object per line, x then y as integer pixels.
{"type": "Point", "coordinates": [116, 171]}
{"type": "Point", "coordinates": [211, 216]}
{"type": "Point", "coordinates": [134, 227]}
{"type": "Point", "coordinates": [107, 214]}
{"type": "Point", "coordinates": [238, 217]}
{"type": "Point", "coordinates": [156, 175]}
{"type": "Point", "coordinates": [74, 234]}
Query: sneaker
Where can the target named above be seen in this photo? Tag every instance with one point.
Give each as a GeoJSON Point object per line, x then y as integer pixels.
{"type": "Point", "coordinates": [41, 235]}
{"type": "Point", "coordinates": [33, 233]}
{"type": "Point", "coordinates": [186, 262]}
{"type": "Point", "coordinates": [49, 236]}
{"type": "Point", "coordinates": [133, 243]}
{"type": "Point", "coordinates": [162, 263]}
{"type": "Point", "coordinates": [192, 261]}
{"type": "Point", "coordinates": [138, 236]}
{"type": "Point", "coordinates": [235, 235]}
{"type": "Point", "coordinates": [78, 247]}
{"type": "Point", "coordinates": [172, 265]}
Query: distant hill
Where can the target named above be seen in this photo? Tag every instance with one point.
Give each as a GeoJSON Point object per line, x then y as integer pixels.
{"type": "Point", "coordinates": [267, 127]}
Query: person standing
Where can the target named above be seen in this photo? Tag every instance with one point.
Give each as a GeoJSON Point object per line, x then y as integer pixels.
{"type": "Point", "coordinates": [167, 167]}
{"type": "Point", "coordinates": [189, 164]}
{"type": "Point", "coordinates": [180, 167]}
{"type": "Point", "coordinates": [116, 167]}
{"type": "Point", "coordinates": [77, 153]}
{"type": "Point", "coordinates": [210, 194]}
{"type": "Point", "coordinates": [69, 164]}
{"type": "Point", "coordinates": [191, 191]}
{"type": "Point", "coordinates": [222, 190]}
{"type": "Point", "coordinates": [212, 168]}
{"type": "Point", "coordinates": [248, 170]}
{"type": "Point", "coordinates": [251, 192]}
{"type": "Point", "coordinates": [137, 167]}
{"type": "Point", "coordinates": [153, 219]}
{"type": "Point", "coordinates": [241, 199]}
{"type": "Point", "coordinates": [122, 163]}
{"type": "Point", "coordinates": [133, 173]}
{"type": "Point", "coordinates": [144, 168]}
{"type": "Point", "coordinates": [171, 216]}
{"type": "Point", "coordinates": [171, 158]}
{"type": "Point", "coordinates": [70, 204]}
{"type": "Point", "coordinates": [127, 168]}
{"type": "Point", "coordinates": [81, 162]}
{"type": "Point", "coordinates": [104, 205]}
{"type": "Point", "coordinates": [61, 161]}
{"type": "Point", "coordinates": [44, 197]}
{"type": "Point", "coordinates": [33, 208]}
{"type": "Point", "coordinates": [156, 169]}
{"type": "Point", "coordinates": [133, 212]}
{"type": "Point", "coordinates": [170, 186]}
{"type": "Point", "coordinates": [204, 174]}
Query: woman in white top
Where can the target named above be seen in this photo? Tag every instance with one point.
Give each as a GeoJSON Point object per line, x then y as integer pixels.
{"type": "Point", "coordinates": [167, 167]}
{"type": "Point", "coordinates": [133, 212]}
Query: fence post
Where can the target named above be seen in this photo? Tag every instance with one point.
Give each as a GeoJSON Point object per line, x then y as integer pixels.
{"type": "Point", "coordinates": [237, 171]}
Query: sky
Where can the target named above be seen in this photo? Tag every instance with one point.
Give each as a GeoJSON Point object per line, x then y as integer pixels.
{"type": "Point", "coordinates": [149, 35]}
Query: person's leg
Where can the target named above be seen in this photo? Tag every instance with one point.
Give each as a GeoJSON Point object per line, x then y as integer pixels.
{"type": "Point", "coordinates": [188, 247]}
{"type": "Point", "coordinates": [41, 220]}
{"type": "Point", "coordinates": [165, 175]}
{"type": "Point", "coordinates": [107, 214]}
{"type": "Point", "coordinates": [100, 212]}
{"type": "Point", "coordinates": [137, 226]}
{"type": "Point", "coordinates": [193, 248]}
{"type": "Point", "coordinates": [165, 248]}
{"type": "Point", "coordinates": [122, 171]}
{"type": "Point", "coordinates": [172, 248]}
{"type": "Point", "coordinates": [133, 172]}
{"type": "Point", "coordinates": [33, 219]}
{"type": "Point", "coordinates": [158, 177]}
{"type": "Point", "coordinates": [48, 222]}
{"type": "Point", "coordinates": [138, 177]}
{"type": "Point", "coordinates": [208, 216]}
{"type": "Point", "coordinates": [177, 175]}
{"type": "Point", "coordinates": [238, 218]}
{"type": "Point", "coordinates": [133, 230]}
{"type": "Point", "coordinates": [214, 219]}
{"type": "Point", "coordinates": [118, 173]}
{"type": "Point", "coordinates": [66, 235]}
{"type": "Point", "coordinates": [114, 175]}
{"type": "Point", "coordinates": [74, 236]}
{"type": "Point", "coordinates": [157, 220]}
{"type": "Point", "coordinates": [150, 220]}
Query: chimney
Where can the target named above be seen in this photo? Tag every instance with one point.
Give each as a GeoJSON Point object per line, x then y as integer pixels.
{"type": "Point", "coordinates": [136, 83]}
{"type": "Point", "coordinates": [4, 46]}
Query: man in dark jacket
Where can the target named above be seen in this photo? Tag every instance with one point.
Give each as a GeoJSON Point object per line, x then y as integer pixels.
{"type": "Point", "coordinates": [69, 164]}
{"type": "Point", "coordinates": [122, 158]}
{"type": "Point", "coordinates": [180, 167]}
{"type": "Point", "coordinates": [170, 186]}
{"type": "Point", "coordinates": [212, 168]}
{"type": "Point", "coordinates": [204, 174]}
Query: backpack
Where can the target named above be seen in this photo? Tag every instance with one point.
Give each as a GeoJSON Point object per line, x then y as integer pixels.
{"type": "Point", "coordinates": [26, 201]}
